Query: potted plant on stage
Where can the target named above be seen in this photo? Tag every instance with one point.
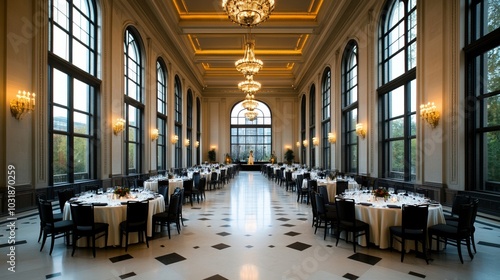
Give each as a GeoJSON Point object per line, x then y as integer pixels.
{"type": "Point", "coordinates": [211, 155]}
{"type": "Point", "coordinates": [289, 156]}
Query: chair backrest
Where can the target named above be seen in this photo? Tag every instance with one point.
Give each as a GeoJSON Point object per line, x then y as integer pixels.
{"type": "Point", "coordinates": [196, 179]}
{"type": "Point", "coordinates": [459, 200]}
{"type": "Point", "coordinates": [288, 176]}
{"type": "Point", "coordinates": [214, 176]}
{"type": "Point", "coordinates": [345, 209]}
{"type": "Point", "coordinates": [319, 203]}
{"type": "Point", "coordinates": [342, 186]}
{"type": "Point", "coordinates": [415, 217]}
{"type": "Point", "coordinates": [131, 183]}
{"type": "Point", "coordinates": [163, 190]}
{"type": "Point", "coordinates": [46, 215]}
{"type": "Point", "coordinates": [162, 183]}
{"type": "Point", "coordinates": [64, 196]}
{"type": "Point", "coordinates": [307, 175]}
{"type": "Point", "coordinates": [312, 185]}
{"type": "Point", "coordinates": [82, 215]}
{"type": "Point", "coordinates": [223, 172]}
{"type": "Point", "coordinates": [465, 214]}
{"type": "Point", "coordinates": [475, 206]}
{"type": "Point", "coordinates": [298, 181]}
{"type": "Point", "coordinates": [173, 207]}
{"type": "Point", "coordinates": [202, 184]}
{"type": "Point", "coordinates": [187, 185]}
{"type": "Point", "coordinates": [324, 193]}
{"type": "Point", "coordinates": [140, 183]}
{"type": "Point", "coordinates": [137, 211]}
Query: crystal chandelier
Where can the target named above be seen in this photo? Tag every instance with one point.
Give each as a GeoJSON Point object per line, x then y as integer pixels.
{"type": "Point", "coordinates": [251, 115]}
{"type": "Point", "coordinates": [249, 65]}
{"type": "Point", "coordinates": [248, 12]}
{"type": "Point", "coordinates": [249, 103]}
{"type": "Point", "coordinates": [249, 85]}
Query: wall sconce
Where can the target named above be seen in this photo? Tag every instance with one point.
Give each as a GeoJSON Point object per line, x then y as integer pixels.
{"type": "Point", "coordinates": [186, 142]}
{"type": "Point", "coordinates": [197, 144]}
{"type": "Point", "coordinates": [213, 147]}
{"type": "Point", "coordinates": [154, 134]}
{"type": "Point", "coordinates": [288, 147]}
{"type": "Point", "coordinates": [298, 144]}
{"type": "Point", "coordinates": [315, 141]}
{"type": "Point", "coordinates": [24, 103]}
{"type": "Point", "coordinates": [118, 126]}
{"type": "Point", "coordinates": [332, 139]}
{"type": "Point", "coordinates": [360, 130]}
{"type": "Point", "coordinates": [305, 143]}
{"type": "Point", "coordinates": [174, 139]}
{"type": "Point", "coordinates": [429, 114]}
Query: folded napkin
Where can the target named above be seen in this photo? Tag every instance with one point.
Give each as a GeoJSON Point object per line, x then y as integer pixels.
{"type": "Point", "coordinates": [365, 203]}
{"type": "Point", "coordinates": [393, 206]}
{"type": "Point", "coordinates": [99, 204]}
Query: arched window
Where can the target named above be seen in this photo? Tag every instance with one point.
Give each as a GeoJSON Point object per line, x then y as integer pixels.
{"type": "Point", "coordinates": [312, 125]}
{"type": "Point", "coordinates": [178, 121]}
{"type": "Point", "coordinates": [483, 95]}
{"type": "Point", "coordinates": [325, 117]}
{"type": "Point", "coordinates": [133, 98]}
{"type": "Point", "coordinates": [349, 107]}
{"type": "Point", "coordinates": [249, 135]}
{"type": "Point", "coordinates": [198, 130]}
{"type": "Point", "coordinates": [397, 89]}
{"type": "Point", "coordinates": [303, 129]}
{"type": "Point", "coordinates": [161, 115]}
{"type": "Point", "coordinates": [73, 90]}
{"type": "Point", "coordinates": [189, 128]}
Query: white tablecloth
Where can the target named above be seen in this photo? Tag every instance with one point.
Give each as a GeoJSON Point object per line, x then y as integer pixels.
{"type": "Point", "coordinates": [151, 185]}
{"type": "Point", "coordinates": [331, 187]}
{"type": "Point", "coordinates": [173, 184]}
{"type": "Point", "coordinates": [381, 218]}
{"type": "Point", "coordinates": [114, 215]}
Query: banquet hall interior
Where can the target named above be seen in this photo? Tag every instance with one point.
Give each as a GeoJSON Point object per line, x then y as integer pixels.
{"type": "Point", "coordinates": [101, 97]}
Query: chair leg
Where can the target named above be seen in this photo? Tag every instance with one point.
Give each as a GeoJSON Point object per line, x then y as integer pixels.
{"type": "Point", "coordinates": [459, 248]}
{"type": "Point", "coordinates": [52, 239]}
{"type": "Point", "coordinates": [74, 244]}
{"type": "Point", "coordinates": [43, 240]}
{"type": "Point", "coordinates": [146, 237]}
{"type": "Point", "coordinates": [467, 241]}
{"type": "Point", "coordinates": [93, 245]}
{"type": "Point", "coordinates": [126, 241]}
{"type": "Point", "coordinates": [403, 249]}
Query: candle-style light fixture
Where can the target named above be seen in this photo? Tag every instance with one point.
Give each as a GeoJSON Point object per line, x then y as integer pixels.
{"type": "Point", "coordinates": [249, 65]}
{"type": "Point", "coordinates": [429, 114]}
{"type": "Point", "coordinates": [249, 85]}
{"type": "Point", "coordinates": [174, 139]}
{"type": "Point", "coordinates": [118, 126]}
{"type": "Point", "coordinates": [332, 139]}
{"type": "Point", "coordinates": [22, 104]}
{"type": "Point", "coordinates": [315, 141]}
{"type": "Point", "coordinates": [249, 103]}
{"type": "Point", "coordinates": [251, 115]}
{"type": "Point", "coordinates": [154, 134]}
{"type": "Point", "coordinates": [305, 143]}
{"type": "Point", "coordinates": [360, 130]}
{"type": "Point", "coordinates": [186, 142]}
{"type": "Point", "coordinates": [197, 144]}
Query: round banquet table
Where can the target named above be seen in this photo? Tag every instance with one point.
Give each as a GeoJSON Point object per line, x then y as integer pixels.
{"type": "Point", "coordinates": [113, 214]}
{"type": "Point", "coordinates": [331, 187]}
{"type": "Point", "coordinates": [381, 218]}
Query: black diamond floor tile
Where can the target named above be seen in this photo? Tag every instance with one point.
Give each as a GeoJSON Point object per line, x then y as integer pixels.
{"type": "Point", "coordinates": [19, 242]}
{"type": "Point", "coordinates": [170, 258]}
{"type": "Point", "coordinates": [223, 233]}
{"type": "Point", "coordinates": [488, 244]}
{"type": "Point", "coordinates": [221, 246]}
{"type": "Point", "coordinates": [287, 225]}
{"type": "Point", "coordinates": [225, 226]}
{"type": "Point", "coordinates": [416, 274]}
{"type": "Point", "coordinates": [216, 277]}
{"type": "Point", "coordinates": [249, 246]}
{"type": "Point", "coordinates": [283, 219]}
{"type": "Point", "coordinates": [127, 275]}
{"type": "Point", "coordinates": [350, 276]}
{"type": "Point", "coordinates": [203, 219]}
{"type": "Point", "coordinates": [120, 258]}
{"type": "Point", "coordinates": [299, 246]}
{"type": "Point", "coordinates": [53, 275]}
{"type": "Point", "coordinates": [302, 219]}
{"type": "Point", "coordinates": [365, 258]}
{"type": "Point", "coordinates": [292, 233]}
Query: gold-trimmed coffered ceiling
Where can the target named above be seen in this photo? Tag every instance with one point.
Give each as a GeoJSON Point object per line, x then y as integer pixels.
{"type": "Point", "coordinates": [286, 42]}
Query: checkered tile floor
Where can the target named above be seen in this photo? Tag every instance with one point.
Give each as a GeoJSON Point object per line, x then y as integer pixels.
{"type": "Point", "coordinates": [250, 229]}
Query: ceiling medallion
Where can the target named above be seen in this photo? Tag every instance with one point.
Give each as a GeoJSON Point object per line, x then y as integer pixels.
{"type": "Point", "coordinates": [249, 85]}
{"type": "Point", "coordinates": [251, 115]}
{"type": "Point", "coordinates": [249, 65]}
{"type": "Point", "coordinates": [249, 103]}
{"type": "Point", "coordinates": [248, 12]}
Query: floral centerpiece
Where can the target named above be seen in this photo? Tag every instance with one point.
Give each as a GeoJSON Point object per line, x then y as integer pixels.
{"type": "Point", "coordinates": [121, 191]}
{"type": "Point", "coordinates": [381, 192]}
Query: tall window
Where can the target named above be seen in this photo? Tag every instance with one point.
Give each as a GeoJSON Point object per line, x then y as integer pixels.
{"type": "Point", "coordinates": [133, 97]}
{"type": "Point", "coordinates": [482, 54]}
{"type": "Point", "coordinates": [349, 107]}
{"type": "Point", "coordinates": [189, 128]}
{"type": "Point", "coordinates": [178, 121]}
{"type": "Point", "coordinates": [312, 124]}
{"type": "Point", "coordinates": [397, 90]}
{"type": "Point", "coordinates": [325, 117]}
{"type": "Point", "coordinates": [303, 129]}
{"type": "Point", "coordinates": [161, 115]}
{"type": "Point", "coordinates": [198, 130]}
{"type": "Point", "coordinates": [73, 90]}
{"type": "Point", "coordinates": [249, 135]}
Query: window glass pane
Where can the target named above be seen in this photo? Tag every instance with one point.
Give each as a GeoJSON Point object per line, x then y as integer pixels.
{"type": "Point", "coordinates": [60, 118]}
{"type": "Point", "coordinates": [413, 125]}
{"type": "Point", "coordinates": [132, 158]}
{"type": "Point", "coordinates": [81, 96]}
{"type": "Point", "coordinates": [493, 110]}
{"type": "Point", "coordinates": [492, 150]}
{"type": "Point", "coordinates": [396, 157]}
{"type": "Point", "coordinates": [81, 123]}
{"type": "Point", "coordinates": [413, 159]}
{"type": "Point", "coordinates": [81, 154]}
{"type": "Point", "coordinates": [396, 66]}
{"type": "Point", "coordinates": [82, 60]}
{"type": "Point", "coordinates": [60, 43]}
{"type": "Point", "coordinates": [396, 102]}
{"type": "Point", "coordinates": [60, 158]}
{"type": "Point", "coordinates": [61, 12]}
{"type": "Point", "coordinates": [396, 128]}
{"type": "Point", "coordinates": [493, 69]}
{"type": "Point", "coordinates": [60, 88]}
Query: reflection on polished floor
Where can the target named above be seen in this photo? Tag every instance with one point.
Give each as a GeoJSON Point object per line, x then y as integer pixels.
{"type": "Point", "coordinates": [250, 229]}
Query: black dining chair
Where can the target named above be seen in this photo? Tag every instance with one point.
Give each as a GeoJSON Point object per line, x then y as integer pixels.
{"type": "Point", "coordinates": [54, 229]}
{"type": "Point", "coordinates": [455, 235]}
{"type": "Point", "coordinates": [137, 221]}
{"type": "Point", "coordinates": [452, 222]}
{"type": "Point", "coordinates": [84, 225]}
{"type": "Point", "coordinates": [455, 207]}
{"type": "Point", "coordinates": [324, 215]}
{"type": "Point", "coordinates": [347, 222]}
{"type": "Point", "coordinates": [171, 215]}
{"type": "Point", "coordinates": [341, 187]}
{"type": "Point", "coordinates": [414, 227]}
{"type": "Point", "coordinates": [57, 216]}
{"type": "Point", "coordinates": [188, 190]}
{"type": "Point", "coordinates": [199, 192]}
{"type": "Point", "coordinates": [64, 196]}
